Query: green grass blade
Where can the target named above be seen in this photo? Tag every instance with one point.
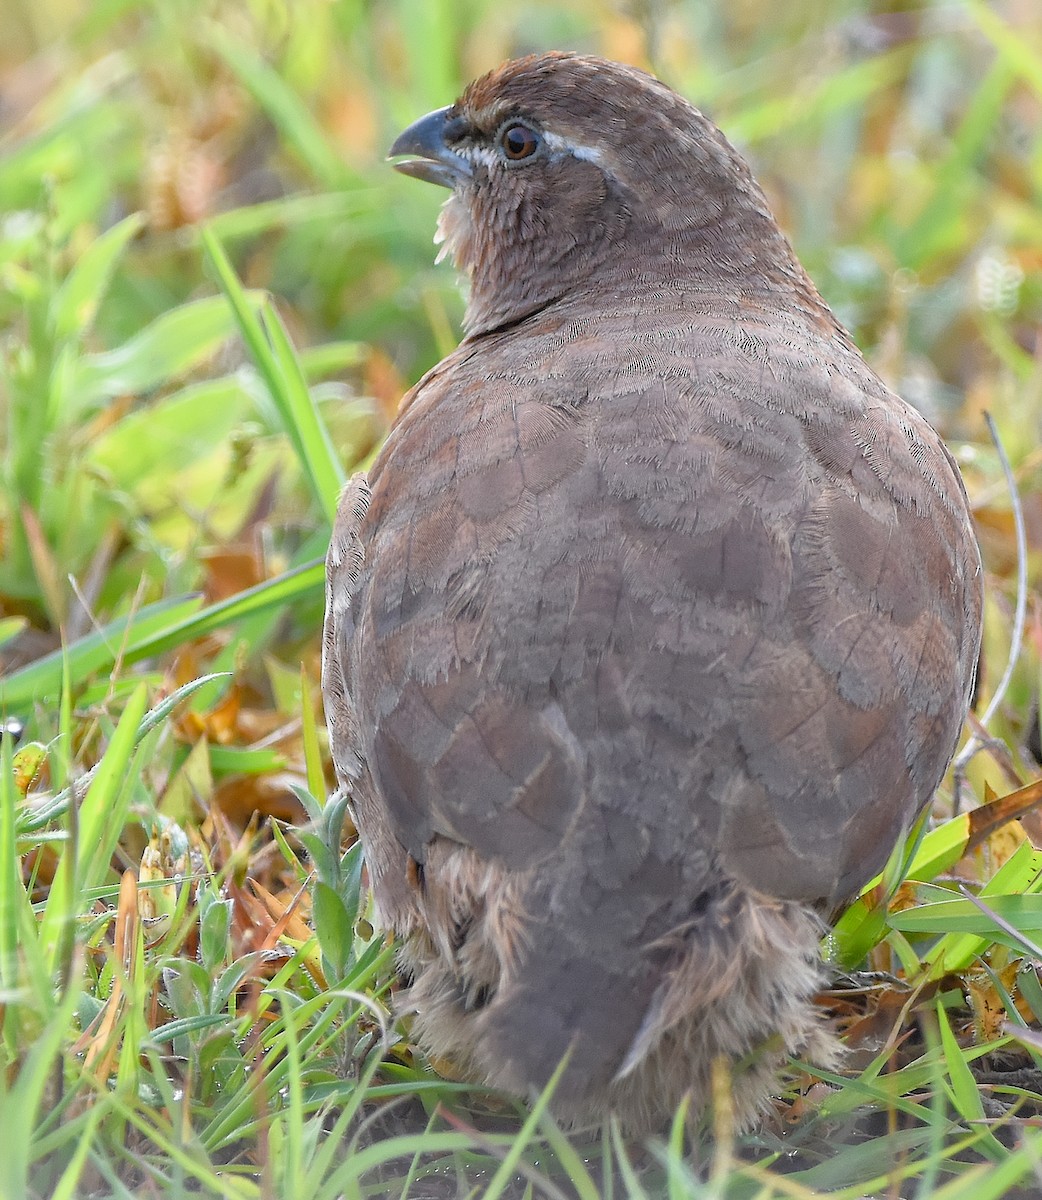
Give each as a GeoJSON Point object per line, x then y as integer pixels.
{"type": "Point", "coordinates": [12, 892]}
{"type": "Point", "coordinates": [282, 591]}
{"type": "Point", "coordinates": [166, 349]}
{"type": "Point", "coordinates": [578, 1176]}
{"type": "Point", "coordinates": [501, 1180]}
{"type": "Point", "coordinates": [100, 823]}
{"type": "Point", "coordinates": [41, 680]}
{"type": "Point", "coordinates": [156, 628]}
{"type": "Point", "coordinates": [68, 1187]}
{"type": "Point", "coordinates": [280, 370]}
{"type": "Point", "coordinates": [22, 1094]}
{"type": "Point", "coordinates": [78, 299]}
{"type": "Point", "coordinates": [1014, 49]}
{"type": "Point", "coordinates": [286, 110]}
{"type": "Point", "coordinates": [965, 1095]}
{"type": "Point", "coordinates": [365, 211]}
{"type": "Point", "coordinates": [936, 229]}
{"type": "Point", "coordinates": [302, 422]}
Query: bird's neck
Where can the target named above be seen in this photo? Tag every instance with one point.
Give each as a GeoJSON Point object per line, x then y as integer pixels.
{"type": "Point", "coordinates": [750, 262]}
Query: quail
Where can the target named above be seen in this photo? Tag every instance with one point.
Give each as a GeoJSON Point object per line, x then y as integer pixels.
{"type": "Point", "coordinates": [651, 629]}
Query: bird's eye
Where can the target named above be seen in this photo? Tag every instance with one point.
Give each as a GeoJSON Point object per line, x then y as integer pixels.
{"type": "Point", "coordinates": [518, 142]}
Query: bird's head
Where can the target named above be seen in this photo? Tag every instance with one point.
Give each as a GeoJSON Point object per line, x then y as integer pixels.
{"type": "Point", "coordinates": [569, 172]}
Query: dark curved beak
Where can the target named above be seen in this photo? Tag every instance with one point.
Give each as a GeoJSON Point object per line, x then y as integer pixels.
{"type": "Point", "coordinates": [428, 139]}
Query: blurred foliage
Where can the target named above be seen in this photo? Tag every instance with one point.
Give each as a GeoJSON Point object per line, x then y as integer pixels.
{"type": "Point", "coordinates": [213, 293]}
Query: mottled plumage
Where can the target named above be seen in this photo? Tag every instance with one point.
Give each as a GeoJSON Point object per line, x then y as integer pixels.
{"type": "Point", "coordinates": [653, 625]}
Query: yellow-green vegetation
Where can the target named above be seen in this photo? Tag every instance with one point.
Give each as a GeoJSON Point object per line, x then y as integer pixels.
{"type": "Point", "coordinates": [212, 294]}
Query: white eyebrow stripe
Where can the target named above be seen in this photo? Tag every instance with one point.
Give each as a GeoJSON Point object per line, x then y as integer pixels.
{"type": "Point", "coordinates": [559, 145]}
{"type": "Point", "coordinates": [553, 142]}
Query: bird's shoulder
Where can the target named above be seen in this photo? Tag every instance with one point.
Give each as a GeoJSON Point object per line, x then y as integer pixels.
{"type": "Point", "coordinates": [670, 395]}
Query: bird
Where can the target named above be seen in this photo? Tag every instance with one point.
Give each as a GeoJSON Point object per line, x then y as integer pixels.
{"type": "Point", "coordinates": [652, 627]}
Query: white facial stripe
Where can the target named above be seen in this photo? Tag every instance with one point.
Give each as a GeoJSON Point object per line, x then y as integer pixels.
{"type": "Point", "coordinates": [482, 154]}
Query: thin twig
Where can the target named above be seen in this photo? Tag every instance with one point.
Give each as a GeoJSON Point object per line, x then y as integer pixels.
{"type": "Point", "coordinates": [1020, 612]}
{"type": "Point", "coordinates": [999, 750]}
{"type": "Point", "coordinates": [1010, 930]}
{"type": "Point", "coordinates": [976, 742]}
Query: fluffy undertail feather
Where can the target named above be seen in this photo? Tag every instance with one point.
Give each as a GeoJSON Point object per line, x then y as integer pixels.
{"type": "Point", "coordinates": [737, 986]}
